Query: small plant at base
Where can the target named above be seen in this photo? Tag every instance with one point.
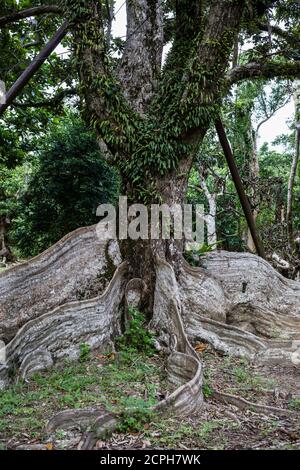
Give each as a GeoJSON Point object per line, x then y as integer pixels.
{"type": "Point", "coordinates": [85, 352]}
{"type": "Point", "coordinates": [192, 256]}
{"type": "Point", "coordinates": [136, 337]}
{"type": "Point", "coordinates": [295, 404]}
{"type": "Point", "coordinates": [207, 390]}
{"type": "Point", "coordinates": [136, 414]}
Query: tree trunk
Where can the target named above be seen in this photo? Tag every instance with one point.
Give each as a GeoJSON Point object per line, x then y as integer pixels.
{"type": "Point", "coordinates": [210, 218]}
{"type": "Point", "coordinates": [254, 172]}
{"type": "Point", "coordinates": [293, 172]}
{"type": "Point", "coordinates": [5, 251]}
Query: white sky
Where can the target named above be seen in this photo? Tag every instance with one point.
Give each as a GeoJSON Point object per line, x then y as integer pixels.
{"type": "Point", "coordinates": [277, 124]}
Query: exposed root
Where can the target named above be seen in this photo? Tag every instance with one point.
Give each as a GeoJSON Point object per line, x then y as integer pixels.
{"type": "Point", "coordinates": [259, 311]}
{"type": "Point", "coordinates": [95, 423]}
{"type": "Point", "coordinates": [236, 302]}
{"type": "Point", "coordinates": [225, 338]}
{"type": "Point", "coordinates": [184, 366]}
{"type": "Point", "coordinates": [249, 280]}
{"type": "Point", "coordinates": [244, 404]}
{"type": "Point", "coordinates": [70, 418]}
{"type": "Point", "coordinates": [57, 335]}
{"type": "Point", "coordinates": [102, 427]}
{"type": "Point", "coordinates": [73, 268]}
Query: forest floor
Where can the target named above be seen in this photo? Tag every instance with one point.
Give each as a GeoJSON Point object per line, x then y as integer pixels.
{"type": "Point", "coordinates": [131, 379]}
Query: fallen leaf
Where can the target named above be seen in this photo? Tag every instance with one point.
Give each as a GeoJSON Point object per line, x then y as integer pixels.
{"type": "Point", "coordinates": [49, 446]}
{"type": "Point", "coordinates": [200, 347]}
{"type": "Point", "coordinates": [101, 356]}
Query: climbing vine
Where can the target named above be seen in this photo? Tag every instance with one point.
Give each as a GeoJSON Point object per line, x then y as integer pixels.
{"type": "Point", "coordinates": [145, 148]}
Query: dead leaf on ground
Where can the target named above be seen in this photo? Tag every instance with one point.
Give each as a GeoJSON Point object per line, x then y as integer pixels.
{"type": "Point", "coordinates": [101, 356]}
{"type": "Point", "coordinates": [200, 347]}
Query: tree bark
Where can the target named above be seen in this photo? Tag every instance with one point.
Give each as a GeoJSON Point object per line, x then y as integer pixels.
{"type": "Point", "coordinates": [294, 165]}
{"type": "Point", "coordinates": [5, 251]}
{"type": "Point", "coordinates": [210, 218]}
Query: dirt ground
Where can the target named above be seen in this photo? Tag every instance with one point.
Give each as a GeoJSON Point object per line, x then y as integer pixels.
{"type": "Point", "coordinates": [100, 379]}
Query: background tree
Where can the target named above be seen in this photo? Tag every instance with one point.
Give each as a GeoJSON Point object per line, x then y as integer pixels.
{"type": "Point", "coordinates": [68, 181]}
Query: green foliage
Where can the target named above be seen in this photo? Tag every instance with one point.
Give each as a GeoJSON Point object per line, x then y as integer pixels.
{"type": "Point", "coordinates": [240, 374]}
{"type": "Point", "coordinates": [295, 404]}
{"type": "Point", "coordinates": [136, 337]}
{"type": "Point", "coordinates": [192, 256]}
{"type": "Point", "coordinates": [137, 412]}
{"type": "Point", "coordinates": [207, 390]}
{"type": "Point", "coordinates": [85, 352]}
{"type": "Point", "coordinates": [70, 179]}
{"type": "Point", "coordinates": [120, 383]}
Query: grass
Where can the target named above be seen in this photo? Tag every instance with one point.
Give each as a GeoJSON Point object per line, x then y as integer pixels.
{"type": "Point", "coordinates": [119, 382]}
{"type": "Point", "coordinates": [169, 433]}
{"type": "Point", "coordinates": [295, 404]}
{"type": "Point", "coordinates": [243, 379]}
{"type": "Point", "coordinates": [129, 383]}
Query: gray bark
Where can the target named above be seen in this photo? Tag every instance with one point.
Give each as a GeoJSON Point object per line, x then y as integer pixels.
{"type": "Point", "coordinates": [294, 165]}
{"type": "Point", "coordinates": [72, 269]}
{"type": "Point", "coordinates": [141, 62]}
{"type": "Point", "coordinates": [235, 301]}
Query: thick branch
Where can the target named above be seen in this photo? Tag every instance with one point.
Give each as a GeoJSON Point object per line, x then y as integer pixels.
{"type": "Point", "coordinates": [265, 70]}
{"type": "Point", "coordinates": [35, 11]}
{"type": "Point", "coordinates": [109, 112]}
{"type": "Point", "coordinates": [288, 37]}
{"type": "Point", "coordinates": [203, 83]}
{"type": "Point", "coordinates": [38, 61]}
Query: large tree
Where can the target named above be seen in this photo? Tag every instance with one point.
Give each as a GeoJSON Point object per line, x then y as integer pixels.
{"type": "Point", "coordinates": [152, 119]}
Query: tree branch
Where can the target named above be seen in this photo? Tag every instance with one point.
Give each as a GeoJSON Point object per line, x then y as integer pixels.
{"type": "Point", "coordinates": [52, 102]}
{"type": "Point", "coordinates": [288, 37]}
{"type": "Point", "coordinates": [108, 110]}
{"type": "Point", "coordinates": [266, 70]}
{"type": "Point", "coordinates": [35, 11]}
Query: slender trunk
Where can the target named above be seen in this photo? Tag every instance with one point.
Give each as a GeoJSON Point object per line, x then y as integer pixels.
{"type": "Point", "coordinates": [294, 165]}
{"type": "Point", "coordinates": [5, 251]}
{"type": "Point", "coordinates": [210, 218]}
{"type": "Point", "coordinates": [254, 169]}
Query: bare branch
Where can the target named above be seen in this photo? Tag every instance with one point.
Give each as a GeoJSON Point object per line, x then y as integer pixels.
{"type": "Point", "coordinates": [288, 37]}
{"type": "Point", "coordinates": [35, 11]}
{"type": "Point", "coordinates": [271, 114]}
